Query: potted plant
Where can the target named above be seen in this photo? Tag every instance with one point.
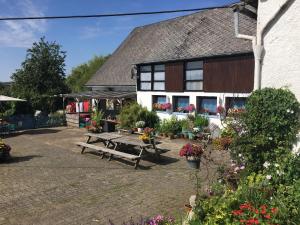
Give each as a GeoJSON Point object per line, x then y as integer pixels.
{"type": "Point", "coordinates": [96, 121]}
{"type": "Point", "coordinates": [147, 135]}
{"type": "Point", "coordinates": [221, 112]}
{"type": "Point", "coordinates": [4, 150]}
{"type": "Point", "coordinates": [185, 125]}
{"type": "Point", "coordinates": [192, 153]}
{"type": "Point", "coordinates": [140, 125]}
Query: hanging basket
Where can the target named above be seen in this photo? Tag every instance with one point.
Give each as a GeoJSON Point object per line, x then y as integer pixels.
{"type": "Point", "coordinates": [193, 162]}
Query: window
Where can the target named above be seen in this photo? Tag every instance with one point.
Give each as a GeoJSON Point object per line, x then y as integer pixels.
{"type": "Point", "coordinates": [180, 102]}
{"type": "Point", "coordinates": [159, 78]}
{"type": "Point", "coordinates": [235, 103]}
{"type": "Point", "coordinates": [145, 78]}
{"type": "Point", "coordinates": [194, 76]}
{"type": "Point", "coordinates": [158, 102]}
{"type": "Point", "coordinates": [207, 105]}
{"type": "Point", "coordinates": [152, 77]}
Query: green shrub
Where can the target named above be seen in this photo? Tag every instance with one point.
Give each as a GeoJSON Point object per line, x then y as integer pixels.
{"type": "Point", "coordinates": [185, 124]}
{"type": "Point", "coordinates": [200, 121]}
{"type": "Point", "coordinates": [171, 126]}
{"type": "Point", "coordinates": [271, 123]}
{"type": "Point", "coordinates": [273, 113]}
{"type": "Point", "coordinates": [263, 139]}
{"type": "Point", "coordinates": [132, 113]}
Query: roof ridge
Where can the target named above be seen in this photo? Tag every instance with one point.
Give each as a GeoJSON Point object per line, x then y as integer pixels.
{"type": "Point", "coordinates": [180, 17]}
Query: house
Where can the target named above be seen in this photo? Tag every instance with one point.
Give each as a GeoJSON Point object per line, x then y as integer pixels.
{"type": "Point", "coordinates": [276, 43]}
{"type": "Point", "coordinates": [194, 59]}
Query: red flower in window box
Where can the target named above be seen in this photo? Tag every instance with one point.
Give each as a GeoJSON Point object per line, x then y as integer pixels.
{"type": "Point", "coordinates": [190, 108]}
{"type": "Point", "coordinates": [166, 106]}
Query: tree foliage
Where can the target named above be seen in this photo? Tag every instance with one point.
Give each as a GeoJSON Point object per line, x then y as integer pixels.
{"type": "Point", "coordinates": [82, 73]}
{"type": "Point", "coordinates": [41, 76]}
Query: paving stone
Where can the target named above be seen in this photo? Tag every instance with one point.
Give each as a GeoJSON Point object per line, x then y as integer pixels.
{"type": "Point", "coordinates": [48, 181]}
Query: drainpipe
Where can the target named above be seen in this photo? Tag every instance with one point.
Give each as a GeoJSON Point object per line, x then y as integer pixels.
{"type": "Point", "coordinates": [257, 42]}
{"type": "Point", "coordinates": [257, 50]}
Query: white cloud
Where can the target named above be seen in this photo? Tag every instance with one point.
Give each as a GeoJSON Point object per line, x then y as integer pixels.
{"type": "Point", "coordinates": [20, 33]}
{"type": "Point", "coordinates": [102, 29]}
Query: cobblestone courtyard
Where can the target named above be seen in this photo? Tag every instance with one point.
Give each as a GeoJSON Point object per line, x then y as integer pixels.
{"type": "Point", "coordinates": [50, 182]}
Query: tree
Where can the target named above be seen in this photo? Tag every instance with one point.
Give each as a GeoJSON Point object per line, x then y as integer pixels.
{"type": "Point", "coordinates": [82, 73]}
{"type": "Point", "coordinates": [41, 76]}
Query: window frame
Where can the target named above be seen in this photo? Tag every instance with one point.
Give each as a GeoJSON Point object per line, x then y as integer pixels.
{"type": "Point", "coordinates": [228, 100]}
{"type": "Point", "coordinates": [153, 102]}
{"type": "Point", "coordinates": [152, 81]}
{"type": "Point", "coordinates": [198, 80]}
{"type": "Point", "coordinates": [140, 81]}
{"type": "Point", "coordinates": [199, 100]}
{"type": "Point", "coordinates": [175, 102]}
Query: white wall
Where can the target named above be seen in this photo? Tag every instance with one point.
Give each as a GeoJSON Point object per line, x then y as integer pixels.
{"type": "Point", "coordinates": [145, 99]}
{"type": "Point", "coordinates": [281, 62]}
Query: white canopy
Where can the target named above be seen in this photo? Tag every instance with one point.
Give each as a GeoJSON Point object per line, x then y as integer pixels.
{"type": "Point", "coordinates": [4, 98]}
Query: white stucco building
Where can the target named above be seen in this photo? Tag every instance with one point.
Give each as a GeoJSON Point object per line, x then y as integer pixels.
{"type": "Point", "coordinates": [276, 45]}
{"type": "Point", "coordinates": [281, 42]}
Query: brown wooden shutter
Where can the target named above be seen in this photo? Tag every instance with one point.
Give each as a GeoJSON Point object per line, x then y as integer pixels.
{"type": "Point", "coordinates": [231, 74]}
{"type": "Point", "coordinates": [174, 73]}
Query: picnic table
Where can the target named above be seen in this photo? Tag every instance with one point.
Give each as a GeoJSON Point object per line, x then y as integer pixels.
{"type": "Point", "coordinates": [117, 140]}
{"type": "Point", "coordinates": [106, 138]}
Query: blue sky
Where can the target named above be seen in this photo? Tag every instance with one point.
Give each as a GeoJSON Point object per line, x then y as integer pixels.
{"type": "Point", "coordinates": [81, 39]}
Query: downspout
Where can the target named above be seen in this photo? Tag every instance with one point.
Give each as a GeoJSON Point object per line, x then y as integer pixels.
{"type": "Point", "coordinates": [257, 42]}
{"type": "Point", "coordinates": [257, 50]}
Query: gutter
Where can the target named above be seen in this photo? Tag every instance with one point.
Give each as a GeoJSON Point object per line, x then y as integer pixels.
{"type": "Point", "coordinates": [257, 41]}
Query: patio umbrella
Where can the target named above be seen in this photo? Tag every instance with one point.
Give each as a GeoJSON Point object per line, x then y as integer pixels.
{"type": "Point", "coordinates": [4, 98]}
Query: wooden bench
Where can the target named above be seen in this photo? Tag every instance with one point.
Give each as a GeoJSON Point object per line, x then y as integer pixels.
{"type": "Point", "coordinates": [111, 152]}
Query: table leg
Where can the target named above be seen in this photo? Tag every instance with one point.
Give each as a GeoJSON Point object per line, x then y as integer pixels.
{"type": "Point", "coordinates": [139, 159]}
{"type": "Point", "coordinates": [83, 148]}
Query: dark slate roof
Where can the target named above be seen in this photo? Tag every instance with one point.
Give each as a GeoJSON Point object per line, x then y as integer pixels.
{"type": "Point", "coordinates": [203, 34]}
{"type": "Point", "coordinates": [101, 95]}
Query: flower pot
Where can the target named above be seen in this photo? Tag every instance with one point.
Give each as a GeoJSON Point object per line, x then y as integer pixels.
{"type": "Point", "coordinates": [193, 162]}
{"type": "Point", "coordinates": [191, 136]}
{"type": "Point", "coordinates": [146, 141]}
{"type": "Point", "coordinates": [171, 136]}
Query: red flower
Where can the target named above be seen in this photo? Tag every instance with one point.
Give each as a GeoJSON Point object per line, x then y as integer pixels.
{"type": "Point", "coordinates": [253, 221]}
{"type": "Point", "coordinates": [274, 210]}
{"type": "Point", "coordinates": [237, 212]}
{"type": "Point", "coordinates": [263, 209]}
{"type": "Point", "coordinates": [256, 211]}
{"type": "Point", "coordinates": [267, 216]}
{"type": "Point", "coordinates": [220, 109]}
{"type": "Point", "coordinates": [245, 206]}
